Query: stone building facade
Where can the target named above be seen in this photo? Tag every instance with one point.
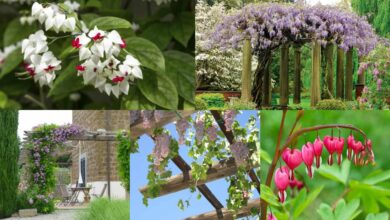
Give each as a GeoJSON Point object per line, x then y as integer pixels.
{"type": "Point", "coordinates": [92, 155]}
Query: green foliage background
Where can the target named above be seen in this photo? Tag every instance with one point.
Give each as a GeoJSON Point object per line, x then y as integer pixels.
{"type": "Point", "coordinates": [9, 169]}
{"type": "Point", "coordinates": [373, 123]}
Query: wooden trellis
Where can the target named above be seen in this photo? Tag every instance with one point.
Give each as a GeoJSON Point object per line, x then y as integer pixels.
{"type": "Point", "coordinates": [218, 170]}
{"type": "Point", "coordinates": [106, 136]}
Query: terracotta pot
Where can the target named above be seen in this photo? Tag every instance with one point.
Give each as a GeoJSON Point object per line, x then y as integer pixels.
{"type": "Point", "coordinates": [226, 94]}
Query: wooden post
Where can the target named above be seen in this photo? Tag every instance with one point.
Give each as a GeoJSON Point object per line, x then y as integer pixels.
{"type": "Point", "coordinates": [246, 71]}
{"type": "Point", "coordinates": [267, 85]}
{"type": "Point", "coordinates": [340, 74]}
{"type": "Point", "coordinates": [316, 70]}
{"type": "Point", "coordinates": [297, 78]}
{"type": "Point", "coordinates": [284, 75]}
{"type": "Point", "coordinates": [348, 75]}
{"type": "Point", "coordinates": [329, 71]}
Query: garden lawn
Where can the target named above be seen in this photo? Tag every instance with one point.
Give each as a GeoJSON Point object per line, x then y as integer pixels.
{"type": "Point", "coordinates": [104, 209]}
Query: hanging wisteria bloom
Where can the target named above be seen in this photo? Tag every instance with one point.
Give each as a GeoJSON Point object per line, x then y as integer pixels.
{"type": "Point", "coordinates": [240, 152]}
{"type": "Point", "coordinates": [101, 67]}
{"type": "Point", "coordinates": [39, 62]}
{"type": "Point", "coordinates": [181, 126]}
{"type": "Point", "coordinates": [228, 117]}
{"type": "Point", "coordinates": [53, 18]}
{"type": "Point", "coordinates": [161, 149]}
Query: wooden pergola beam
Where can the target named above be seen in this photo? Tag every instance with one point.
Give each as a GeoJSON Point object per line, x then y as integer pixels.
{"type": "Point", "coordinates": [230, 137]}
{"type": "Point", "coordinates": [137, 128]}
{"type": "Point", "coordinates": [179, 182]}
{"type": "Point", "coordinates": [243, 212]}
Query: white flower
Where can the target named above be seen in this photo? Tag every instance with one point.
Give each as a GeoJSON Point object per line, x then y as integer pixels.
{"type": "Point", "coordinates": [35, 44]}
{"type": "Point", "coordinates": [53, 18]}
{"type": "Point", "coordinates": [74, 6]}
{"type": "Point", "coordinates": [96, 34]}
{"type": "Point", "coordinates": [44, 67]}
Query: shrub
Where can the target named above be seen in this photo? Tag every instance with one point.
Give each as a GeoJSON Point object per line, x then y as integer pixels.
{"type": "Point", "coordinates": [9, 169]}
{"type": "Point", "coordinates": [200, 104]}
{"type": "Point", "coordinates": [331, 104]}
{"type": "Point", "coordinates": [213, 100]}
{"type": "Point", "coordinates": [239, 104]}
{"type": "Point", "coordinates": [104, 209]}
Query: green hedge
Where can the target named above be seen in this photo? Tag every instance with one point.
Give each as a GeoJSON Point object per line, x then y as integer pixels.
{"type": "Point", "coordinates": [331, 104]}
{"type": "Point", "coordinates": [213, 100]}
{"type": "Point", "coordinates": [9, 155]}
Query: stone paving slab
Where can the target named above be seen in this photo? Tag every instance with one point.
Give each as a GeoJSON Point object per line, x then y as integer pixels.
{"type": "Point", "coordinates": [57, 215]}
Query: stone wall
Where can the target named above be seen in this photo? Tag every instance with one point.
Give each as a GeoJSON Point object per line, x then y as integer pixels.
{"type": "Point", "coordinates": [96, 151]}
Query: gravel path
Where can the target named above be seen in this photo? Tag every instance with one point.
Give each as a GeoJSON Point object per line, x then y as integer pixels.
{"type": "Point", "coordinates": [57, 215]}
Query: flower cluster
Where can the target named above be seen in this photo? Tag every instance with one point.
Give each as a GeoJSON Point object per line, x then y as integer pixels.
{"type": "Point", "coordinates": [212, 132]}
{"type": "Point", "coordinates": [199, 129]}
{"type": "Point", "coordinates": [39, 62]}
{"type": "Point", "coordinates": [101, 68]}
{"type": "Point", "coordinates": [161, 149]}
{"type": "Point", "coordinates": [7, 51]}
{"type": "Point", "coordinates": [181, 126]}
{"type": "Point", "coordinates": [271, 25]}
{"type": "Point", "coordinates": [228, 117]}
{"type": "Point", "coordinates": [53, 18]}
{"type": "Point", "coordinates": [147, 118]}
{"type": "Point", "coordinates": [62, 134]}
{"type": "Point", "coordinates": [240, 152]}
{"type": "Point", "coordinates": [284, 176]}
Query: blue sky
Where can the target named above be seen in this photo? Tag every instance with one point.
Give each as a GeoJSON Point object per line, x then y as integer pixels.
{"type": "Point", "coordinates": [165, 207]}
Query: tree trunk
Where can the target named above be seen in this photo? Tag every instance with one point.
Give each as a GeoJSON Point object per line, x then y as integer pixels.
{"type": "Point", "coordinates": [348, 75]}
{"type": "Point", "coordinates": [329, 71]}
{"type": "Point", "coordinates": [297, 78]}
{"type": "Point", "coordinates": [361, 77]}
{"type": "Point", "coordinates": [246, 71]}
{"type": "Point", "coordinates": [261, 88]}
{"type": "Point", "coordinates": [316, 70]}
{"type": "Point", "coordinates": [284, 75]}
{"type": "Point", "coordinates": [340, 74]}
{"type": "Point", "coordinates": [9, 155]}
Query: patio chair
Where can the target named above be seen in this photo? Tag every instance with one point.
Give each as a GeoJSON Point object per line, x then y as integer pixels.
{"type": "Point", "coordinates": [101, 193]}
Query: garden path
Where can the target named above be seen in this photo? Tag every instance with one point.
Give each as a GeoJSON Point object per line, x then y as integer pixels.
{"type": "Point", "coordinates": [57, 215]}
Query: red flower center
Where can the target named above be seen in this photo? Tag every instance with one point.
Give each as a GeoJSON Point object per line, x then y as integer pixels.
{"type": "Point", "coordinates": [123, 45]}
{"type": "Point", "coordinates": [49, 68]}
{"type": "Point", "coordinates": [80, 68]}
{"type": "Point", "coordinates": [29, 70]}
{"type": "Point", "coordinates": [118, 79]}
{"type": "Point", "coordinates": [97, 37]}
{"type": "Point", "coordinates": [76, 43]}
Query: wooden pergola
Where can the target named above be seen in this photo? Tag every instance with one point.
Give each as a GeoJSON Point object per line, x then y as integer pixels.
{"type": "Point", "coordinates": [218, 170]}
{"type": "Point", "coordinates": [106, 136]}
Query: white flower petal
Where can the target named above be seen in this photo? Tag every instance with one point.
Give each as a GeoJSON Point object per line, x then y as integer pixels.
{"type": "Point", "coordinates": [49, 23]}
{"type": "Point", "coordinates": [137, 72]}
{"type": "Point", "coordinates": [131, 61]}
{"type": "Point", "coordinates": [124, 86]}
{"type": "Point", "coordinates": [36, 9]}
{"type": "Point", "coordinates": [59, 20]}
{"type": "Point", "coordinates": [115, 90]}
{"type": "Point", "coordinates": [98, 49]}
{"type": "Point", "coordinates": [107, 88]}
{"type": "Point", "coordinates": [115, 37]}
{"type": "Point", "coordinates": [84, 53]}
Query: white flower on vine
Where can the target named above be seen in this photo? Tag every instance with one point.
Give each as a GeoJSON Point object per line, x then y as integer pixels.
{"type": "Point", "coordinates": [53, 18]}
{"type": "Point", "coordinates": [27, 20]}
{"type": "Point", "coordinates": [74, 6]}
{"type": "Point", "coordinates": [35, 44]}
{"type": "Point", "coordinates": [44, 67]}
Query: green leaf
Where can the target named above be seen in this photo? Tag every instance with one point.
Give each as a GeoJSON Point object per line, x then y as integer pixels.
{"type": "Point", "coordinates": [264, 156]}
{"type": "Point", "coordinates": [161, 39]}
{"type": "Point", "coordinates": [346, 211]}
{"type": "Point", "coordinates": [268, 195]}
{"type": "Point", "coordinates": [335, 173]}
{"type": "Point", "coordinates": [159, 89]}
{"type": "Point", "coordinates": [180, 204]}
{"type": "Point", "coordinates": [180, 68]}
{"type": "Point", "coordinates": [325, 211]}
{"type": "Point", "coordinates": [147, 53]}
{"type": "Point", "coordinates": [12, 61]}
{"type": "Point", "coordinates": [3, 100]}
{"type": "Point", "coordinates": [67, 81]}
{"type": "Point", "coordinates": [93, 4]}
{"type": "Point", "coordinates": [305, 201]}
{"type": "Point", "coordinates": [109, 23]}
{"type": "Point", "coordinates": [380, 216]}
{"type": "Point", "coordinates": [370, 205]}
{"type": "Point", "coordinates": [15, 32]}
{"type": "Point", "coordinates": [136, 100]}
{"type": "Point", "coordinates": [377, 177]}
{"type": "Point", "coordinates": [183, 27]}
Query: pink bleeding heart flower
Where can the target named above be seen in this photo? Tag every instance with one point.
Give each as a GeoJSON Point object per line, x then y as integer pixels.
{"type": "Point", "coordinates": [308, 157]}
{"type": "Point", "coordinates": [271, 217]}
{"type": "Point", "coordinates": [293, 158]}
{"type": "Point", "coordinates": [339, 146]}
{"type": "Point", "coordinates": [357, 148]}
{"type": "Point", "coordinates": [350, 146]}
{"type": "Point", "coordinates": [296, 183]}
{"type": "Point", "coordinates": [281, 181]}
{"type": "Point", "coordinates": [329, 143]}
{"type": "Point", "coordinates": [317, 147]}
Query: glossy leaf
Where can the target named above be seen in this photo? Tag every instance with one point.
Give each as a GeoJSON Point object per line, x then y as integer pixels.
{"type": "Point", "coordinates": [335, 172]}
{"type": "Point", "coordinates": [377, 177]}
{"type": "Point", "coordinates": [13, 60]}
{"type": "Point", "coordinates": [380, 216]}
{"type": "Point", "coordinates": [325, 211]}
{"type": "Point", "coordinates": [109, 23]}
{"type": "Point", "coordinates": [147, 53]}
{"type": "Point", "coordinates": [268, 195]}
{"type": "Point", "coordinates": [15, 32]}
{"type": "Point", "coordinates": [180, 68]}
{"type": "Point", "coordinates": [159, 89]}
{"type": "Point", "coordinates": [161, 39]}
{"type": "Point", "coordinates": [136, 100]}
{"type": "Point", "coordinates": [305, 201]}
{"type": "Point", "coordinates": [67, 81]}
{"type": "Point", "coordinates": [183, 28]}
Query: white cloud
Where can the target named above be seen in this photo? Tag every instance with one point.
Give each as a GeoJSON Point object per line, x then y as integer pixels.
{"type": "Point", "coordinates": [323, 2]}
{"type": "Point", "coordinates": [31, 118]}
